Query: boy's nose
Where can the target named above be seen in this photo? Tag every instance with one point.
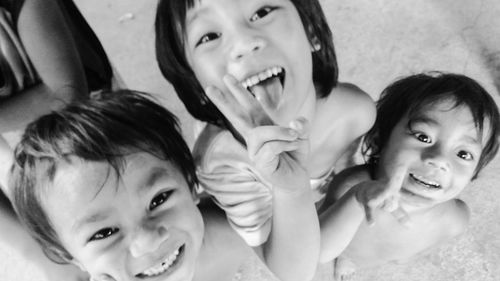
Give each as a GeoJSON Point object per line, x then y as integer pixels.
{"type": "Point", "coordinates": [246, 44]}
{"type": "Point", "coordinates": [147, 239]}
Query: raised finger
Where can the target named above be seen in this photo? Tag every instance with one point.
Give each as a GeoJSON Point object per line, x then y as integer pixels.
{"type": "Point", "coordinates": [247, 101]}
{"type": "Point", "coordinates": [228, 106]}
{"type": "Point", "coordinates": [402, 216]}
{"type": "Point", "coordinates": [257, 137]}
{"type": "Point", "coordinates": [397, 178]}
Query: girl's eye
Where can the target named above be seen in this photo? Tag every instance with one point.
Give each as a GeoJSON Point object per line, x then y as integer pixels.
{"type": "Point", "coordinates": [423, 137]}
{"type": "Point", "coordinates": [262, 12]}
{"type": "Point", "coordinates": [159, 199]}
{"type": "Point", "coordinates": [207, 38]}
{"type": "Point", "coordinates": [465, 155]}
{"type": "Point", "coordinates": [103, 233]}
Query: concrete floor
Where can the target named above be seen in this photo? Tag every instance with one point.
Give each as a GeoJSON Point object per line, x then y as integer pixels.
{"type": "Point", "coordinates": [377, 41]}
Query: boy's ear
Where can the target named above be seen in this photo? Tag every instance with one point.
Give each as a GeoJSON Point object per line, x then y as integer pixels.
{"type": "Point", "coordinates": [194, 194]}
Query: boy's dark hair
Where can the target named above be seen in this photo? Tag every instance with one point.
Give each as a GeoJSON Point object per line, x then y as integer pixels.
{"type": "Point", "coordinates": [411, 94]}
{"type": "Point", "coordinates": [170, 34]}
{"type": "Point", "coordinates": [105, 128]}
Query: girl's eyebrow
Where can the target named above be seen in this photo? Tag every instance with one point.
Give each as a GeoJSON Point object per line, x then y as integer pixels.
{"type": "Point", "coordinates": [424, 120]}
{"type": "Point", "coordinates": [195, 14]}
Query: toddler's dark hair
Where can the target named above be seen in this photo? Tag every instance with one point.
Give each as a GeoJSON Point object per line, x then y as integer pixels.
{"type": "Point", "coordinates": [411, 94]}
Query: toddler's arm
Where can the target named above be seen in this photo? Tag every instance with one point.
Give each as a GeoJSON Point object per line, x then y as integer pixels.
{"type": "Point", "coordinates": [292, 249]}
{"type": "Point", "coordinates": [340, 222]}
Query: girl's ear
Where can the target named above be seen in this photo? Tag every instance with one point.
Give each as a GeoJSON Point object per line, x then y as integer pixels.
{"type": "Point", "coordinates": [315, 44]}
{"type": "Point", "coordinates": [313, 39]}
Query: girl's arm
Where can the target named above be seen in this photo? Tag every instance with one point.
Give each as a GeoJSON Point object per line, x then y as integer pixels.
{"type": "Point", "coordinates": [51, 49]}
{"type": "Point", "coordinates": [292, 250]}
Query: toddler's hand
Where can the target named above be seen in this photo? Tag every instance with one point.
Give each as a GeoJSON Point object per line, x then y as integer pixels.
{"type": "Point", "coordinates": [383, 194]}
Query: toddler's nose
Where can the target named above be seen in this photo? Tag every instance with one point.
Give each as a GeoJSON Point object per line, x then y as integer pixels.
{"type": "Point", "coordinates": [147, 239]}
{"type": "Point", "coordinates": [436, 157]}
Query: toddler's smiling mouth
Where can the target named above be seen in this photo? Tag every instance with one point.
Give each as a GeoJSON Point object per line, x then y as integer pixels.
{"type": "Point", "coordinates": [425, 182]}
{"type": "Point", "coordinates": [168, 265]}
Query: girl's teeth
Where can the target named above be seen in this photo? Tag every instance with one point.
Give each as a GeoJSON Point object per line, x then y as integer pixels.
{"type": "Point", "coordinates": [266, 74]}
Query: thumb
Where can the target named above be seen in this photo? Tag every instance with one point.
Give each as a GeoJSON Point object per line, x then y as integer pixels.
{"type": "Point", "coordinates": [302, 127]}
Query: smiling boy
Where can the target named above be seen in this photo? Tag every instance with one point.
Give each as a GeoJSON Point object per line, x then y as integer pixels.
{"type": "Point", "coordinates": [108, 184]}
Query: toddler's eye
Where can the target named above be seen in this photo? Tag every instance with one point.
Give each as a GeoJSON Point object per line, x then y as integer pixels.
{"type": "Point", "coordinates": [103, 233]}
{"type": "Point", "coordinates": [207, 38]}
{"type": "Point", "coordinates": [465, 155]}
{"type": "Point", "coordinates": [159, 199]}
{"type": "Point", "coordinates": [262, 12]}
{"type": "Point", "coordinates": [423, 137]}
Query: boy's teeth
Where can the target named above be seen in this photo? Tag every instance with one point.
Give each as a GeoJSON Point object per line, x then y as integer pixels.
{"type": "Point", "coordinates": [261, 76]}
{"type": "Point", "coordinates": [163, 266]}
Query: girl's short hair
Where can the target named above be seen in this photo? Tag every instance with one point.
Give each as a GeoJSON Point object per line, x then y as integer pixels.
{"type": "Point", "coordinates": [106, 128]}
{"type": "Point", "coordinates": [170, 30]}
{"type": "Point", "coordinates": [412, 94]}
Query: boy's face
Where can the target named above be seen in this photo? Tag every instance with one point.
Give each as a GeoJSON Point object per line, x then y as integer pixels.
{"type": "Point", "coordinates": [262, 43]}
{"type": "Point", "coordinates": [141, 225]}
{"type": "Point", "coordinates": [441, 148]}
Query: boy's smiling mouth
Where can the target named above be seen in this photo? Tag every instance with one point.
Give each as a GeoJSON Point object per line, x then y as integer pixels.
{"type": "Point", "coordinates": [168, 265]}
{"type": "Point", "coordinates": [267, 84]}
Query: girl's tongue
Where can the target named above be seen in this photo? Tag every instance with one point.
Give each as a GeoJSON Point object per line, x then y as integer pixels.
{"type": "Point", "coordinates": [268, 92]}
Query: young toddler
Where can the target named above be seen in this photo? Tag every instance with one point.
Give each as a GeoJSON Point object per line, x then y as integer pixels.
{"type": "Point", "coordinates": [433, 135]}
{"type": "Point", "coordinates": [108, 185]}
{"type": "Point", "coordinates": [281, 53]}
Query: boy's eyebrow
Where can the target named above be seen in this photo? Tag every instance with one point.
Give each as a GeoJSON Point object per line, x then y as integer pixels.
{"type": "Point", "coordinates": [157, 174]}
{"type": "Point", "coordinates": [91, 218]}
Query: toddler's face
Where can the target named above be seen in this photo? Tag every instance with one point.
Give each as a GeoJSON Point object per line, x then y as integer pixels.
{"type": "Point", "coordinates": [262, 43]}
{"type": "Point", "coordinates": [441, 147]}
{"type": "Point", "coordinates": [141, 224]}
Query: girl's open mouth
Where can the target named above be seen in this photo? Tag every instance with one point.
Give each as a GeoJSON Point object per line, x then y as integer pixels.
{"type": "Point", "coordinates": [267, 85]}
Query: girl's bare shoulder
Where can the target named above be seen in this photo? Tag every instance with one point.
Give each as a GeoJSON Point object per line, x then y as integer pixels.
{"type": "Point", "coordinates": [350, 106]}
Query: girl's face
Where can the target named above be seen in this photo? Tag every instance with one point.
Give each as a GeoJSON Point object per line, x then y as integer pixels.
{"type": "Point", "coordinates": [262, 43]}
{"type": "Point", "coordinates": [441, 147]}
{"type": "Point", "coordinates": [141, 225]}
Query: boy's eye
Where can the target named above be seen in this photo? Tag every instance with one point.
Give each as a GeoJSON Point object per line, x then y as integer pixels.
{"type": "Point", "coordinates": [423, 137]}
{"type": "Point", "coordinates": [208, 37]}
{"type": "Point", "coordinates": [262, 12]}
{"type": "Point", "coordinates": [159, 199]}
{"type": "Point", "coordinates": [465, 155]}
{"type": "Point", "coordinates": [103, 233]}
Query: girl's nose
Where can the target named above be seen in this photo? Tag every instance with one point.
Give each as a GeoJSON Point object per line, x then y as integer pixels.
{"type": "Point", "coordinates": [435, 156]}
{"type": "Point", "coordinates": [147, 239]}
{"type": "Point", "coordinates": [246, 42]}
